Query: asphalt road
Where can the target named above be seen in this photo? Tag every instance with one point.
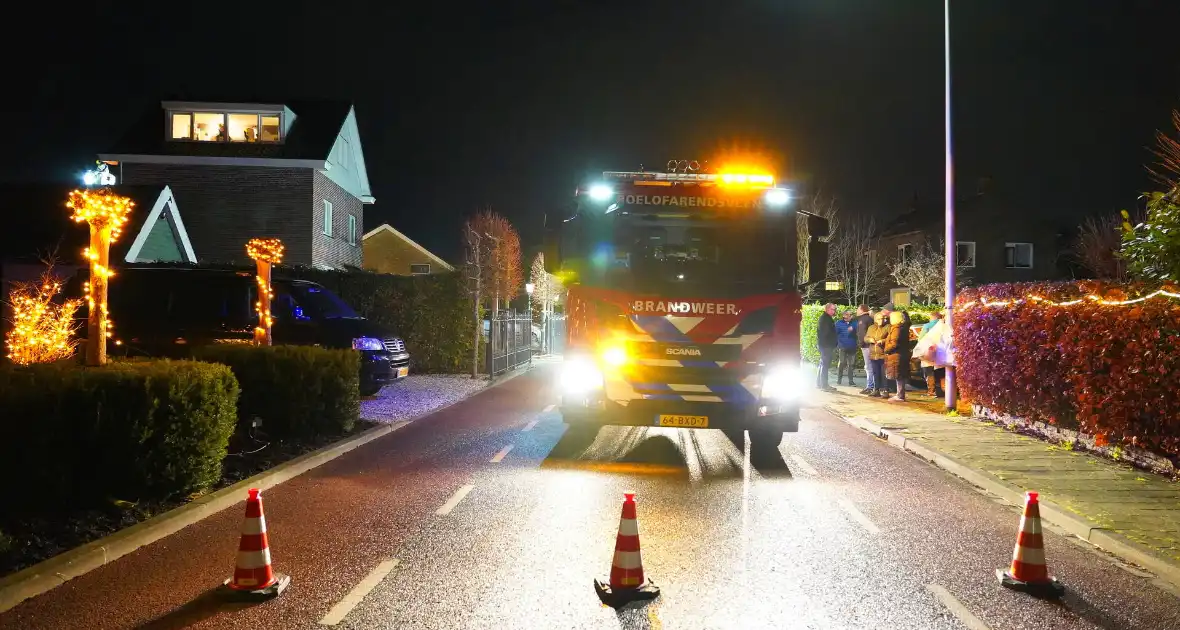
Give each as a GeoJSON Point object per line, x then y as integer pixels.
{"type": "Point", "coordinates": [485, 515]}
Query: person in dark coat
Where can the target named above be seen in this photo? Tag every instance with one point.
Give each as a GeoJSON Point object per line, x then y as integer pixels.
{"type": "Point", "coordinates": [825, 339]}
{"type": "Point", "coordinates": [897, 353]}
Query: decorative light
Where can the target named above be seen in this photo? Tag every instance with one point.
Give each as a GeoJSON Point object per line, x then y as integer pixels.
{"type": "Point", "coordinates": [265, 252]}
{"type": "Point", "coordinates": [1093, 298]}
{"type": "Point", "coordinates": [42, 331]}
{"type": "Point", "coordinates": [106, 213]}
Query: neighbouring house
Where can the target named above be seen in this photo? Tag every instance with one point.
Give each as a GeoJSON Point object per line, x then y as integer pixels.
{"type": "Point", "coordinates": [389, 251]}
{"type": "Point", "coordinates": [293, 170]}
{"type": "Point", "coordinates": [995, 241]}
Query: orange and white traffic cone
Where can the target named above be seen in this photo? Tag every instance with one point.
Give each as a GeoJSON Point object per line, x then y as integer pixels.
{"type": "Point", "coordinates": [254, 578]}
{"type": "Point", "coordinates": [627, 582]}
{"type": "Point", "coordinates": [1028, 572]}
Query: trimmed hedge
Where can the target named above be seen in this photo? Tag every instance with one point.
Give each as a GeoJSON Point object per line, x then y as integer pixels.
{"type": "Point", "coordinates": [143, 430]}
{"type": "Point", "coordinates": [432, 313]}
{"type": "Point", "coordinates": [1107, 370]}
{"type": "Point", "coordinates": [298, 391]}
{"type": "Point", "coordinates": [810, 320]}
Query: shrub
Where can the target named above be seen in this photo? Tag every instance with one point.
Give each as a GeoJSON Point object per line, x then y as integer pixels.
{"type": "Point", "coordinates": [810, 319]}
{"type": "Point", "coordinates": [298, 391]}
{"type": "Point", "coordinates": [431, 313]}
{"type": "Point", "coordinates": [1109, 370]}
{"type": "Point", "coordinates": [143, 430]}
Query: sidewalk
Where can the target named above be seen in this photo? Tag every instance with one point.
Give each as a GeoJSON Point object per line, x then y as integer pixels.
{"type": "Point", "coordinates": [1128, 512]}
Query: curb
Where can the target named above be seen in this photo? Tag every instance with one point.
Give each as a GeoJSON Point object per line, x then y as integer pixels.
{"type": "Point", "coordinates": [1081, 527]}
{"type": "Point", "coordinates": [51, 573]}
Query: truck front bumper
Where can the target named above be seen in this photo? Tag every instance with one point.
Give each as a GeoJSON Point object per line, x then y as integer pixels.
{"type": "Point", "coordinates": [594, 408]}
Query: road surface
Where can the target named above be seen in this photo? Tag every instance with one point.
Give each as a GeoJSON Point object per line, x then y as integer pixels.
{"type": "Point", "coordinates": [485, 515]}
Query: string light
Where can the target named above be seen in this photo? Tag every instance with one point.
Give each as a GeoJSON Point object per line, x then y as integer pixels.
{"type": "Point", "coordinates": [42, 330]}
{"type": "Point", "coordinates": [1097, 299]}
{"type": "Point", "coordinates": [265, 252]}
{"type": "Point", "coordinates": [106, 213]}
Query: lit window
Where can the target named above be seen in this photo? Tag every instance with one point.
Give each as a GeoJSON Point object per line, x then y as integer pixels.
{"type": "Point", "coordinates": [327, 218]}
{"type": "Point", "coordinates": [182, 126]}
{"type": "Point", "coordinates": [1018, 255]}
{"type": "Point", "coordinates": [209, 127]}
{"type": "Point", "coordinates": [243, 127]}
{"type": "Point", "coordinates": [833, 286]}
{"type": "Point", "coordinates": [965, 253]}
{"type": "Point", "coordinates": [905, 251]}
{"type": "Point", "coordinates": [351, 230]}
{"type": "Point", "coordinates": [270, 128]}
{"type": "Point", "coordinates": [420, 270]}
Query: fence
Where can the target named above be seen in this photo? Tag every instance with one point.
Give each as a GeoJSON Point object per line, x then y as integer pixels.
{"type": "Point", "coordinates": [509, 342]}
{"type": "Point", "coordinates": [552, 334]}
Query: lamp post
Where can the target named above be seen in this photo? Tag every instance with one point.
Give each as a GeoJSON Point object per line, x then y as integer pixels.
{"type": "Point", "coordinates": [949, 236]}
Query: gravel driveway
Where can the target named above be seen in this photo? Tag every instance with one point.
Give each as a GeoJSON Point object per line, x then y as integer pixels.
{"type": "Point", "coordinates": [418, 394]}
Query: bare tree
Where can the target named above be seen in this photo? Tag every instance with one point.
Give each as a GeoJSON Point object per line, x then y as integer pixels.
{"type": "Point", "coordinates": [477, 256]}
{"type": "Point", "coordinates": [826, 207]}
{"type": "Point", "coordinates": [1167, 149]}
{"type": "Point", "coordinates": [924, 271]}
{"type": "Point", "coordinates": [1096, 248]}
{"type": "Point", "coordinates": [546, 288]}
{"type": "Point", "coordinates": [852, 260]}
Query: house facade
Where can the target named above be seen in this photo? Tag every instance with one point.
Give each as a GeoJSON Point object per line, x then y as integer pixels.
{"type": "Point", "coordinates": [294, 171]}
{"type": "Point", "coordinates": [389, 251]}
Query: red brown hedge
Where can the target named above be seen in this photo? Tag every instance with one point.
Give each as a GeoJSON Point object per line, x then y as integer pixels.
{"type": "Point", "coordinates": [1109, 370]}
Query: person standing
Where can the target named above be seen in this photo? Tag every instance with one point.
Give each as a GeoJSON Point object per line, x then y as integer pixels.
{"type": "Point", "coordinates": [897, 353]}
{"type": "Point", "coordinates": [932, 373]}
{"type": "Point", "coordinates": [847, 347]}
{"type": "Point", "coordinates": [875, 337]}
{"type": "Point", "coordinates": [825, 340]}
{"type": "Point", "coordinates": [864, 319]}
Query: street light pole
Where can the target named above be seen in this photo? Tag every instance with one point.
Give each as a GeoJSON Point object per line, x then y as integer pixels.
{"type": "Point", "coordinates": [949, 237]}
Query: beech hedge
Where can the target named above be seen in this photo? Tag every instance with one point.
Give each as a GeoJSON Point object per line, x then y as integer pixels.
{"type": "Point", "coordinates": [1108, 370]}
{"type": "Point", "coordinates": [140, 430]}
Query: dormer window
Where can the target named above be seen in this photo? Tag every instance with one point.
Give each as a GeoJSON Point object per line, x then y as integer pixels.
{"type": "Point", "coordinates": [225, 126]}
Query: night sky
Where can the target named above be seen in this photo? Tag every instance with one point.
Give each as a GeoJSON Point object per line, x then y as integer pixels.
{"type": "Point", "coordinates": [511, 104]}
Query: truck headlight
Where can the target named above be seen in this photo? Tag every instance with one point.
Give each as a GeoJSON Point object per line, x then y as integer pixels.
{"type": "Point", "coordinates": [580, 375]}
{"type": "Point", "coordinates": [784, 383]}
{"type": "Point", "coordinates": [367, 343]}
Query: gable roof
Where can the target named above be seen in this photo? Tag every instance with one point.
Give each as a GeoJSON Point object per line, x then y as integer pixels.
{"type": "Point", "coordinates": [385, 227]}
{"type": "Point", "coordinates": [310, 137]}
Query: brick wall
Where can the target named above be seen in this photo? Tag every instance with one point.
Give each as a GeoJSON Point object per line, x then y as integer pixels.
{"type": "Point", "coordinates": [335, 250]}
{"type": "Point", "coordinates": [386, 252]}
{"type": "Point", "coordinates": [222, 207]}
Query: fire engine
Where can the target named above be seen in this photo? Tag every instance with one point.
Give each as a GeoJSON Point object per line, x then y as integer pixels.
{"type": "Point", "coordinates": [684, 301]}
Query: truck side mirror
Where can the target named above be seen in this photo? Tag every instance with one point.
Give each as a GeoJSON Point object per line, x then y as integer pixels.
{"type": "Point", "coordinates": [817, 250]}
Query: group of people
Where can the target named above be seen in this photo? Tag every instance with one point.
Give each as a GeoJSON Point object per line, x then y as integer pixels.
{"type": "Point", "coordinates": [884, 341]}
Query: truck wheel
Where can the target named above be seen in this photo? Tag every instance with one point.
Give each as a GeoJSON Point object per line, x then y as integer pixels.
{"type": "Point", "coordinates": [766, 438]}
{"type": "Point", "coordinates": [370, 390]}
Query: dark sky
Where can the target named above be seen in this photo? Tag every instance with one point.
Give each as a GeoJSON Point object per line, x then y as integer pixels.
{"type": "Point", "coordinates": [512, 103]}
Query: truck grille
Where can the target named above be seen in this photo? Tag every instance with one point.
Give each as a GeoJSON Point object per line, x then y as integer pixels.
{"type": "Point", "coordinates": [395, 345]}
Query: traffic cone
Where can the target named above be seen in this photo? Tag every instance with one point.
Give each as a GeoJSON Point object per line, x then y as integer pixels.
{"type": "Point", "coordinates": [1029, 572]}
{"type": "Point", "coordinates": [627, 582]}
{"type": "Point", "coordinates": [254, 578]}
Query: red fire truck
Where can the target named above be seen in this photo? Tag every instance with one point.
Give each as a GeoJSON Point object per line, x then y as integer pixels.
{"type": "Point", "coordinates": [684, 302]}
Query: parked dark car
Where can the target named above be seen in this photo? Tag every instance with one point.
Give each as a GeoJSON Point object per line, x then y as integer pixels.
{"type": "Point", "coordinates": [165, 311]}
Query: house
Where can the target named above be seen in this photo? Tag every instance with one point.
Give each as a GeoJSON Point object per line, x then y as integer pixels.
{"type": "Point", "coordinates": [292, 170]}
{"type": "Point", "coordinates": [389, 251]}
{"type": "Point", "coordinates": [996, 240]}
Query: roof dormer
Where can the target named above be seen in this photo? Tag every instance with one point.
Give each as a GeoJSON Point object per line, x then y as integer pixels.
{"type": "Point", "coordinates": [226, 122]}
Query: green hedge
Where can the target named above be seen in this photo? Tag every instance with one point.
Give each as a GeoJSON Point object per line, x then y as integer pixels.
{"type": "Point", "coordinates": [140, 430]}
{"type": "Point", "coordinates": [297, 391]}
{"type": "Point", "coordinates": [431, 313]}
{"type": "Point", "coordinates": [810, 319]}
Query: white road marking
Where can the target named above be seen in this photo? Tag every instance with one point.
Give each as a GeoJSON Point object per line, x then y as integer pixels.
{"type": "Point", "coordinates": [454, 500]}
{"type": "Point", "coordinates": [858, 516]}
{"type": "Point", "coordinates": [956, 607]}
{"type": "Point", "coordinates": [548, 409]}
{"type": "Point", "coordinates": [354, 597]}
{"type": "Point", "coordinates": [802, 464]}
{"type": "Point", "coordinates": [530, 425]}
{"type": "Point", "coordinates": [499, 457]}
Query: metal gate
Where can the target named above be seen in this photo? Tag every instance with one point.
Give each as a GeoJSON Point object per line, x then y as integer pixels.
{"type": "Point", "coordinates": [553, 334]}
{"type": "Point", "coordinates": [509, 342]}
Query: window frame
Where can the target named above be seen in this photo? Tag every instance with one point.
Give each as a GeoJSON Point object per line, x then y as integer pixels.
{"type": "Point", "coordinates": [329, 219]}
{"type": "Point", "coordinates": [974, 254]}
{"type": "Point", "coordinates": [419, 273]}
{"type": "Point", "coordinates": [1014, 245]}
{"type": "Point", "coordinates": [351, 229]}
{"type": "Point", "coordinates": [225, 114]}
{"type": "Point", "coordinates": [905, 251]}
